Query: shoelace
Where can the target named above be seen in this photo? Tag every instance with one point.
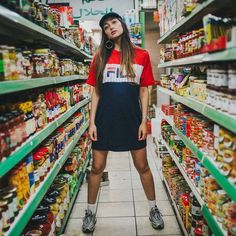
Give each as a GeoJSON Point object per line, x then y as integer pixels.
{"type": "Point", "coordinates": [87, 214]}
{"type": "Point", "coordinates": [157, 214]}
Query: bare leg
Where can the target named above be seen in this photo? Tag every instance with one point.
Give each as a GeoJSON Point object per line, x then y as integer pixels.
{"type": "Point", "coordinates": [98, 165]}
{"type": "Point", "coordinates": [141, 164]}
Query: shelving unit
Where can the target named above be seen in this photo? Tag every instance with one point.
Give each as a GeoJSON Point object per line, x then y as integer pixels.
{"type": "Point", "coordinates": [21, 85]}
{"type": "Point", "coordinates": [211, 220]}
{"type": "Point", "coordinates": [206, 161]}
{"type": "Point", "coordinates": [21, 32]}
{"type": "Point", "coordinates": [80, 180]}
{"type": "Point", "coordinates": [28, 210]}
{"type": "Point", "coordinates": [192, 22]}
{"type": "Point", "coordinates": [209, 164]}
{"type": "Point", "coordinates": [224, 119]}
{"type": "Point", "coordinates": [18, 27]}
{"type": "Point", "coordinates": [213, 169]}
{"type": "Point", "coordinates": [195, 16]}
{"type": "Point", "coordinates": [35, 140]}
{"type": "Point", "coordinates": [205, 58]}
{"type": "Point", "coordinates": [185, 233]}
{"type": "Point", "coordinates": [180, 167]}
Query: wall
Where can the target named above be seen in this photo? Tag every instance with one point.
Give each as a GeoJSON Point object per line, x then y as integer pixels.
{"type": "Point", "coordinates": [151, 37]}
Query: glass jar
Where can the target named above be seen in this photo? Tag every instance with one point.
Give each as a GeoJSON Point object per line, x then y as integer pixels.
{"type": "Point", "coordinates": [9, 198]}
{"type": "Point", "coordinates": [5, 215]}
{"type": "Point", "coordinates": [12, 190]}
{"type": "Point", "coordinates": [1, 224]}
{"type": "Point", "coordinates": [4, 137]}
{"type": "Point", "coordinates": [27, 64]}
{"type": "Point", "coordinates": [40, 222]}
{"type": "Point", "coordinates": [34, 232]}
{"type": "Point", "coordinates": [39, 165]}
{"type": "Point", "coordinates": [40, 59]}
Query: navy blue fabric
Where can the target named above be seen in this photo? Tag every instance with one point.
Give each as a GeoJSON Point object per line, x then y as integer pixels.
{"type": "Point", "coordinates": [118, 118]}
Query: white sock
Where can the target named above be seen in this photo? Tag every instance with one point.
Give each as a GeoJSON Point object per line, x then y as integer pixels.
{"type": "Point", "coordinates": [152, 204]}
{"type": "Point", "coordinates": [92, 207]}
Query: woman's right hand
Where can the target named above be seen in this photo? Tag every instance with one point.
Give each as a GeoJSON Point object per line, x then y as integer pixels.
{"type": "Point", "coordinates": [93, 132]}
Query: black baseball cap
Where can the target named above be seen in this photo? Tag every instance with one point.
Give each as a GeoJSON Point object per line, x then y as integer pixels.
{"type": "Point", "coordinates": [109, 15]}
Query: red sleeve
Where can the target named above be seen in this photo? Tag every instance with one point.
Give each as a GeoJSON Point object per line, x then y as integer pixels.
{"type": "Point", "coordinates": [147, 75]}
{"type": "Point", "coordinates": [92, 74]}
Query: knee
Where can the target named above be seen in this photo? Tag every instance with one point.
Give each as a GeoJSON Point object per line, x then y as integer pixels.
{"type": "Point", "coordinates": [97, 169]}
{"type": "Point", "coordinates": [143, 169]}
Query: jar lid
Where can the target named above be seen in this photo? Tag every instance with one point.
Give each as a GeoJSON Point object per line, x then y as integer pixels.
{"type": "Point", "coordinates": [34, 232]}
{"type": "Point", "coordinates": [10, 189]}
{"type": "Point", "coordinates": [3, 203]}
{"type": "Point", "coordinates": [7, 196]}
{"type": "Point", "coordinates": [39, 218]}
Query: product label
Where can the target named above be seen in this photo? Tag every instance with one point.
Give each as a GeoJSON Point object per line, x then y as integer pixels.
{"type": "Point", "coordinates": [196, 211]}
{"type": "Point", "coordinates": [232, 81]}
{"type": "Point", "coordinates": [11, 210]}
{"type": "Point", "coordinates": [232, 106]}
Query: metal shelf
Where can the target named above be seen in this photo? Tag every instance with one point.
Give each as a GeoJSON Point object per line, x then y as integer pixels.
{"type": "Point", "coordinates": [169, 119]}
{"type": "Point", "coordinates": [80, 180]}
{"type": "Point", "coordinates": [186, 23]}
{"type": "Point", "coordinates": [197, 59]}
{"type": "Point", "coordinates": [213, 223]}
{"type": "Point", "coordinates": [19, 28]}
{"type": "Point", "coordinates": [209, 164]}
{"type": "Point", "coordinates": [24, 216]}
{"type": "Point", "coordinates": [20, 85]}
{"type": "Point", "coordinates": [205, 58]}
{"type": "Point", "coordinates": [221, 118]}
{"type": "Point", "coordinates": [176, 209]}
{"type": "Point", "coordinates": [180, 167]}
{"type": "Point", "coordinates": [35, 140]}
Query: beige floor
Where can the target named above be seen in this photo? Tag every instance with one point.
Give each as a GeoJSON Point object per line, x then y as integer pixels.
{"type": "Point", "coordinates": [122, 208]}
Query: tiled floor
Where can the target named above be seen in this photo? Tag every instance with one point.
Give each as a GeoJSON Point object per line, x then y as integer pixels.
{"type": "Point", "coordinates": [122, 208]}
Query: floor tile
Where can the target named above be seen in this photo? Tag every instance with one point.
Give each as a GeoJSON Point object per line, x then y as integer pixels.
{"type": "Point", "coordinates": [124, 226]}
{"type": "Point", "coordinates": [84, 186]}
{"type": "Point", "coordinates": [171, 226]}
{"type": "Point", "coordinates": [118, 184]}
{"type": "Point", "coordinates": [82, 196]}
{"type": "Point", "coordinates": [115, 209]}
{"type": "Point", "coordinates": [74, 228]}
{"type": "Point", "coordinates": [118, 165]}
{"type": "Point", "coordinates": [115, 195]}
{"type": "Point", "coordinates": [78, 210]}
{"type": "Point", "coordinates": [119, 175]}
{"type": "Point", "coordinates": [142, 208]}
{"type": "Point", "coordinates": [139, 194]}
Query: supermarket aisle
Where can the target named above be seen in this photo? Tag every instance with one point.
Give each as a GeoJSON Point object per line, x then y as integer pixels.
{"type": "Point", "coordinates": [122, 206]}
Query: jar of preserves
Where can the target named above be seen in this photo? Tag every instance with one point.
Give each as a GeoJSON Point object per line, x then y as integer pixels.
{"type": "Point", "coordinates": [1, 224]}
{"type": "Point", "coordinates": [39, 163]}
{"type": "Point", "coordinates": [40, 222]}
{"type": "Point", "coordinates": [5, 137]}
{"type": "Point", "coordinates": [33, 232]}
{"type": "Point", "coordinates": [5, 215]}
{"type": "Point", "coordinates": [9, 198]}
{"type": "Point", "coordinates": [27, 64]}
{"type": "Point", "coordinates": [12, 190]}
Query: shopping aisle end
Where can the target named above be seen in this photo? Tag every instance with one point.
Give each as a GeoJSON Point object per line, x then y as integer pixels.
{"type": "Point", "coordinates": [122, 207]}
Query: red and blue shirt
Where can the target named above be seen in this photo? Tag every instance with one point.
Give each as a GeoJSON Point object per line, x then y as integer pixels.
{"type": "Point", "coordinates": [118, 114]}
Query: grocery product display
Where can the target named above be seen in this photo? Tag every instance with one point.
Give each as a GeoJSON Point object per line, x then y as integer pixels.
{"type": "Point", "coordinates": [199, 124]}
{"type": "Point", "coordinates": [44, 113]}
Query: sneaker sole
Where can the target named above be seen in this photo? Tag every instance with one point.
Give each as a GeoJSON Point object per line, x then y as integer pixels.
{"type": "Point", "coordinates": [87, 231]}
{"type": "Point", "coordinates": [159, 227]}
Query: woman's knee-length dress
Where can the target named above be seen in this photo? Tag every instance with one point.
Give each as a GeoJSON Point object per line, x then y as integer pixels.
{"type": "Point", "coordinates": [118, 114]}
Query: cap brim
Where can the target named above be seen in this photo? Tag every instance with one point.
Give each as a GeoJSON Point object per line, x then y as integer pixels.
{"type": "Point", "coordinates": [108, 15]}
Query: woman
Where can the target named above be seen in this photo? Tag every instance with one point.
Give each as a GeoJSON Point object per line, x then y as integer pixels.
{"type": "Point", "coordinates": [121, 74]}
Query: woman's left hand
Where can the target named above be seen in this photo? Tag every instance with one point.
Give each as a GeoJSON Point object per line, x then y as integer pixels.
{"type": "Point", "coordinates": [142, 132]}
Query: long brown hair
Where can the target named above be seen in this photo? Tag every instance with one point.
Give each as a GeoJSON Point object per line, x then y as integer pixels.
{"type": "Point", "coordinates": [127, 56]}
